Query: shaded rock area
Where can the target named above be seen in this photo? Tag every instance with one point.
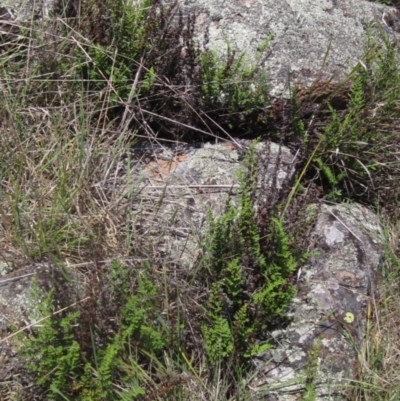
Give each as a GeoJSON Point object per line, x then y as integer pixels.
{"type": "Point", "coordinates": [336, 288]}
{"type": "Point", "coordinates": [310, 39]}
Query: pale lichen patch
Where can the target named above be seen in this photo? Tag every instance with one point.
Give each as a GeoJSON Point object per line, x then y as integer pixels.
{"type": "Point", "coordinates": [334, 236]}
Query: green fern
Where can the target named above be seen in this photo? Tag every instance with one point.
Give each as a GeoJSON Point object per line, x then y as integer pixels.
{"type": "Point", "coordinates": [276, 295]}
{"type": "Point", "coordinates": [54, 355]}
{"type": "Point", "coordinates": [282, 254]}
{"type": "Point", "coordinates": [115, 63]}
{"type": "Point", "coordinates": [217, 335]}
{"type": "Point", "coordinates": [357, 98]}
{"type": "Point", "coordinates": [232, 280]}
{"type": "Point", "coordinates": [237, 314]}
{"type": "Point", "coordinates": [138, 319]}
{"type": "Point", "coordinates": [107, 366]}
{"type": "Point", "coordinates": [223, 242]}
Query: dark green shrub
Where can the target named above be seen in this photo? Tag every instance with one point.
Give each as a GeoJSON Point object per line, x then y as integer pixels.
{"type": "Point", "coordinates": [110, 59]}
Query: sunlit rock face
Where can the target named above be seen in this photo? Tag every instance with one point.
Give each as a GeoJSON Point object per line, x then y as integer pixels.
{"type": "Point", "coordinates": [309, 39]}
{"type": "Point", "coordinates": [336, 288]}
{"type": "Point", "coordinates": [191, 181]}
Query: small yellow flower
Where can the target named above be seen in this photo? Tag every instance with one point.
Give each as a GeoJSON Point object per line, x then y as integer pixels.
{"type": "Point", "coordinates": [348, 317]}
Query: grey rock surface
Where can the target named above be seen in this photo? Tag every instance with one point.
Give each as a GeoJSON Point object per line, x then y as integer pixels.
{"type": "Point", "coordinates": [180, 186]}
{"type": "Point", "coordinates": [27, 10]}
{"type": "Point", "coordinates": [310, 38]}
{"type": "Point", "coordinates": [319, 350]}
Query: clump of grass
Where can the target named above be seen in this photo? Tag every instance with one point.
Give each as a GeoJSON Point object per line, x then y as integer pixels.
{"type": "Point", "coordinates": [378, 368]}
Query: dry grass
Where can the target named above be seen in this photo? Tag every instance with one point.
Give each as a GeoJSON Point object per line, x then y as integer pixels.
{"type": "Point", "coordinates": [380, 359]}
{"type": "Point", "coordinates": [67, 190]}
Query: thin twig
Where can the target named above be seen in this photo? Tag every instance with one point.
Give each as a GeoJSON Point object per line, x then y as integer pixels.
{"type": "Point", "coordinates": [132, 92]}
{"type": "Point", "coordinates": [188, 186]}
{"type": "Point", "coordinates": [16, 278]}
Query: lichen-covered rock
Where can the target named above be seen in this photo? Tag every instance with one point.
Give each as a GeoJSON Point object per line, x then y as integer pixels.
{"type": "Point", "coordinates": [15, 308]}
{"type": "Point", "coordinates": [317, 352]}
{"type": "Point", "coordinates": [28, 10]}
{"type": "Point", "coordinates": [180, 187]}
{"type": "Point", "coordinates": [310, 38]}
